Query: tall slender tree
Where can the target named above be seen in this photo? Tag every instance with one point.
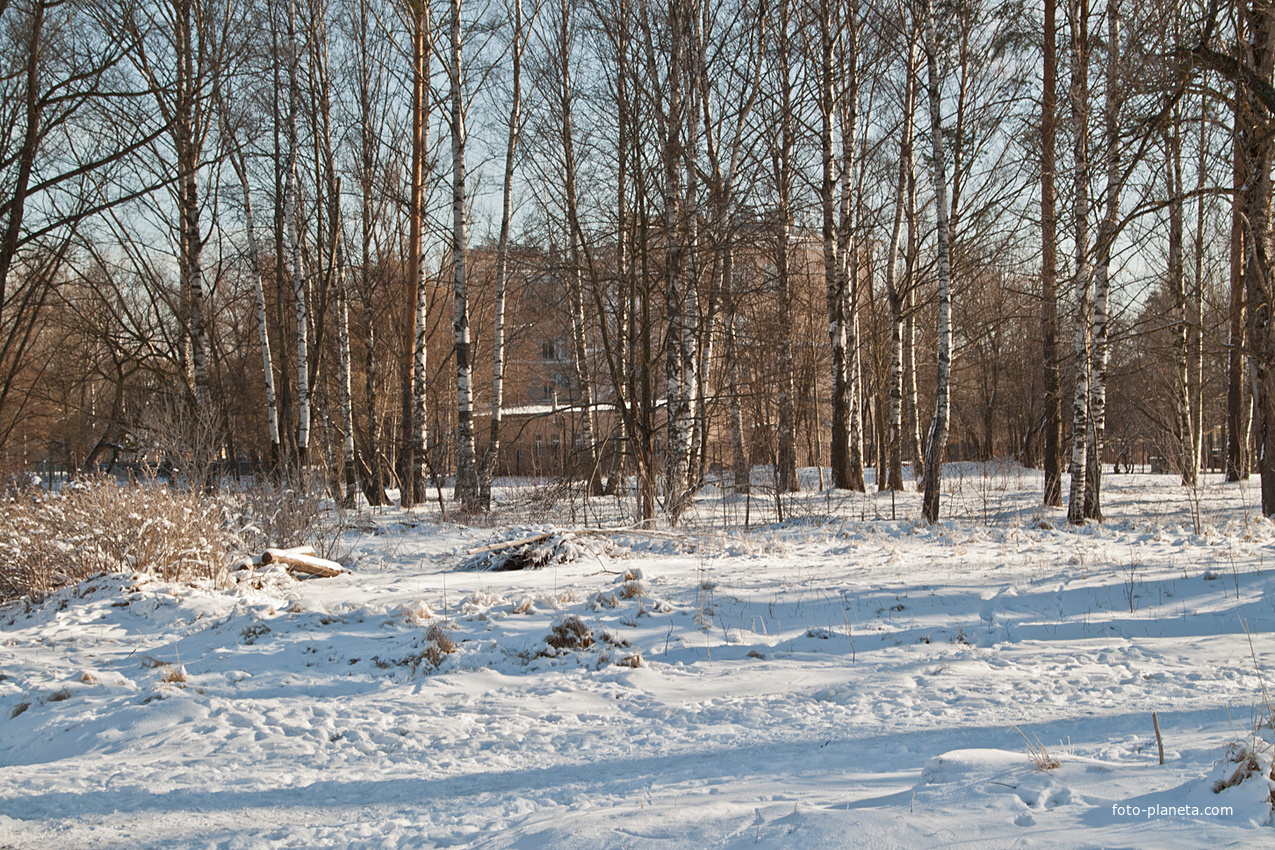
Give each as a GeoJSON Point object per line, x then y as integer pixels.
{"type": "Point", "coordinates": [466, 467]}
{"type": "Point", "coordinates": [498, 353]}
{"type": "Point", "coordinates": [942, 405]}
{"type": "Point", "coordinates": [1053, 423]}
{"type": "Point", "coordinates": [1100, 353]}
{"type": "Point", "coordinates": [1078, 14]}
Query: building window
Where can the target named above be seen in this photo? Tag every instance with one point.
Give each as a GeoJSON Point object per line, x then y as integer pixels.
{"type": "Point", "coordinates": [540, 444]}
{"type": "Point", "coordinates": [548, 350]}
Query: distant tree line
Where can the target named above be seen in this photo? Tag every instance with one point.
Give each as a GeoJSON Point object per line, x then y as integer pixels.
{"type": "Point", "coordinates": [323, 236]}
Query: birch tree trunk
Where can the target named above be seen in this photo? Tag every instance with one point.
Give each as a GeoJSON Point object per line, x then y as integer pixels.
{"type": "Point", "coordinates": [834, 281]}
{"type": "Point", "coordinates": [680, 398]}
{"type": "Point", "coordinates": [1049, 266]}
{"type": "Point", "coordinates": [785, 394]}
{"type": "Point", "coordinates": [492, 456]}
{"type": "Point", "coordinates": [1187, 465]}
{"type": "Point", "coordinates": [412, 460]}
{"type": "Point", "coordinates": [895, 288]}
{"type": "Point", "coordinates": [1254, 156]}
{"type": "Point", "coordinates": [290, 213]}
{"type": "Point", "coordinates": [1079, 94]}
{"type": "Point", "coordinates": [1197, 306]}
{"type": "Point", "coordinates": [586, 457]}
{"type": "Point", "coordinates": [1102, 283]}
{"type": "Point", "coordinates": [188, 146]}
{"type": "Point", "coordinates": [466, 470]}
{"type": "Point", "coordinates": [939, 426]}
{"type": "Point", "coordinates": [848, 255]}
{"type": "Point", "coordinates": [420, 272]}
{"type": "Point", "coordinates": [263, 334]}
{"type": "Point", "coordinates": [911, 410]}
{"type": "Point", "coordinates": [374, 477]}
{"type": "Point", "coordinates": [282, 278]}
{"type": "Point", "coordinates": [1237, 407]}
{"type": "Point", "coordinates": [343, 386]}
{"type": "Point", "coordinates": [626, 295]}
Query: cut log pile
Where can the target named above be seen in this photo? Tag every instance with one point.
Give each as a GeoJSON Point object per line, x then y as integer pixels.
{"type": "Point", "coordinates": [550, 547]}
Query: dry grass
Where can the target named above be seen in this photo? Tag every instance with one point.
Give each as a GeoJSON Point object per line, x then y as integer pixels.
{"type": "Point", "coordinates": [439, 646]}
{"type": "Point", "coordinates": [54, 539]}
{"type": "Point", "coordinates": [571, 633]}
{"type": "Point", "coordinates": [1246, 764]}
{"type": "Point", "coordinates": [50, 540]}
{"type": "Point", "coordinates": [632, 590]}
{"type": "Point", "coordinates": [1040, 757]}
{"type": "Point", "coordinates": [174, 674]}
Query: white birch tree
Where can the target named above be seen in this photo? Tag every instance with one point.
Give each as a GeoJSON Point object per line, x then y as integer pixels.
{"type": "Point", "coordinates": [942, 406]}
{"type": "Point", "coordinates": [1078, 14]}
{"type": "Point", "coordinates": [466, 467]}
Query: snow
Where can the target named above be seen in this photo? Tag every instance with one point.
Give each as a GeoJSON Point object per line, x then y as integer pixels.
{"type": "Point", "coordinates": [842, 679]}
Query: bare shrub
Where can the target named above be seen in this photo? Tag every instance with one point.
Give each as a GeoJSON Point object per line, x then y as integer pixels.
{"type": "Point", "coordinates": [50, 540]}
{"type": "Point", "coordinates": [190, 442]}
{"type": "Point", "coordinates": [283, 517]}
{"type": "Point", "coordinates": [1247, 764]}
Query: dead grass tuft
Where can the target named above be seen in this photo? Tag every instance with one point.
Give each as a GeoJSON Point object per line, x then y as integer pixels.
{"type": "Point", "coordinates": [439, 645]}
{"type": "Point", "coordinates": [1037, 754]}
{"type": "Point", "coordinates": [614, 640]}
{"type": "Point", "coordinates": [571, 633]}
{"type": "Point", "coordinates": [174, 674]}
{"type": "Point", "coordinates": [441, 639]}
{"type": "Point", "coordinates": [1246, 765]}
{"type": "Point", "coordinates": [632, 590]}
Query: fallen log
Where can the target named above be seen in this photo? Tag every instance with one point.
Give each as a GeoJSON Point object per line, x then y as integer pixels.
{"type": "Point", "coordinates": [509, 544]}
{"type": "Point", "coordinates": [297, 561]}
{"type": "Point", "coordinates": [272, 555]}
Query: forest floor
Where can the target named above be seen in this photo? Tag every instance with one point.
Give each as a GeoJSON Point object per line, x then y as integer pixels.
{"type": "Point", "coordinates": [841, 679]}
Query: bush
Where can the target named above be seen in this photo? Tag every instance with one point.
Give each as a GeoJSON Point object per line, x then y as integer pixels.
{"type": "Point", "coordinates": [50, 540]}
{"type": "Point", "coordinates": [54, 539]}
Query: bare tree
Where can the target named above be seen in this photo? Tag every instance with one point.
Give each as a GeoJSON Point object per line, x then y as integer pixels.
{"type": "Point", "coordinates": [1053, 424]}
{"type": "Point", "coordinates": [1100, 353]}
{"type": "Point", "coordinates": [898, 287]}
{"type": "Point", "coordinates": [466, 468]}
{"type": "Point", "coordinates": [239, 163]}
{"type": "Point", "coordinates": [498, 352]}
{"type": "Point", "coordinates": [412, 466]}
{"type": "Point", "coordinates": [71, 123]}
{"type": "Point", "coordinates": [939, 425]}
{"type": "Point", "coordinates": [1078, 14]}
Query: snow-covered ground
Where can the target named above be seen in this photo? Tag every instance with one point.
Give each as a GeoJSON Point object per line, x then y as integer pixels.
{"type": "Point", "coordinates": [843, 679]}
